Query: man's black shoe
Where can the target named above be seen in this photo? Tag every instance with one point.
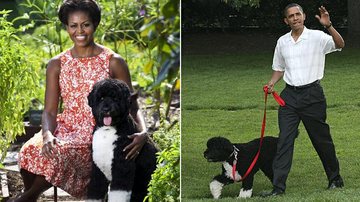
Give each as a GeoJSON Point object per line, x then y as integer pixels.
{"type": "Point", "coordinates": [274, 192]}
{"type": "Point", "coordinates": [337, 183]}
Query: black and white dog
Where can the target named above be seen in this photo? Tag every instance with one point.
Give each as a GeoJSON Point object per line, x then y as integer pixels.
{"type": "Point", "coordinates": [128, 179]}
{"type": "Point", "coordinates": [220, 149]}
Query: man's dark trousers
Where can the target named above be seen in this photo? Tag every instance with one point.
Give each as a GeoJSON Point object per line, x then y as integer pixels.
{"type": "Point", "coordinates": [307, 104]}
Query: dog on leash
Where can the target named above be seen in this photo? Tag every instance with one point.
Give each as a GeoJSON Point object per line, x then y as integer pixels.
{"type": "Point", "coordinates": [128, 179]}
{"type": "Point", "coordinates": [220, 149]}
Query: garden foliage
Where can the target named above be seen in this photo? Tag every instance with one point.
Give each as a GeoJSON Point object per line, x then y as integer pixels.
{"type": "Point", "coordinates": [164, 185]}
{"type": "Point", "coordinates": [18, 78]}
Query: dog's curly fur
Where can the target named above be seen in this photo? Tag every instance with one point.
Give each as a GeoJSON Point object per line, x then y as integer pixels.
{"type": "Point", "coordinates": [220, 149]}
{"type": "Point", "coordinates": [110, 103]}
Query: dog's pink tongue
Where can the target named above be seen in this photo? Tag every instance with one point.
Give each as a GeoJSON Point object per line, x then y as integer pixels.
{"type": "Point", "coordinates": [107, 120]}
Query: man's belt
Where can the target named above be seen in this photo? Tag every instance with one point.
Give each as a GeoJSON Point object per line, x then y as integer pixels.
{"type": "Point", "coordinates": [317, 82]}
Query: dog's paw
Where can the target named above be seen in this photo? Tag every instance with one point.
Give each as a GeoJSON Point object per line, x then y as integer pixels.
{"type": "Point", "coordinates": [245, 193]}
{"type": "Point", "coordinates": [119, 196]}
{"type": "Point", "coordinates": [215, 188]}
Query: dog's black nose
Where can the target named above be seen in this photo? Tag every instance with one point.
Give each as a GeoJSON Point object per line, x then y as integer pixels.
{"type": "Point", "coordinates": [106, 108]}
{"type": "Point", "coordinates": [205, 154]}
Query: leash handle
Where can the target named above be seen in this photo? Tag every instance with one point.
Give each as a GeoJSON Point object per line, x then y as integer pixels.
{"type": "Point", "coordinates": [277, 97]}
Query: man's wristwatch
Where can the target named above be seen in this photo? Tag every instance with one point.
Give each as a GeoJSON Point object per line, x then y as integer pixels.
{"type": "Point", "coordinates": [328, 26]}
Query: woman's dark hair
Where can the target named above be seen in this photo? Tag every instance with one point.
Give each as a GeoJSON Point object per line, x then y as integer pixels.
{"type": "Point", "coordinates": [89, 6]}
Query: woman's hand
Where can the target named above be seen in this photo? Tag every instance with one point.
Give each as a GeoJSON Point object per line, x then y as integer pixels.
{"type": "Point", "coordinates": [135, 147]}
{"type": "Point", "coordinates": [49, 142]}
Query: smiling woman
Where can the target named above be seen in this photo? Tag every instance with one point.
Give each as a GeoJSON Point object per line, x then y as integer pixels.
{"type": "Point", "coordinates": [60, 154]}
{"type": "Point", "coordinates": [81, 21]}
{"type": "Point", "coordinates": [81, 29]}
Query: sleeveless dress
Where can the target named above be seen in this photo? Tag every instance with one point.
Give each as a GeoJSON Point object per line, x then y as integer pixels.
{"type": "Point", "coordinates": [70, 169]}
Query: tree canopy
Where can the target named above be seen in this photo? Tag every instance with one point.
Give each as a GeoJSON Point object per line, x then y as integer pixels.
{"type": "Point", "coordinates": [264, 14]}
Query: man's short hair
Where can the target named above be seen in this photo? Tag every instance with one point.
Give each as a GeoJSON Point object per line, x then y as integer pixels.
{"type": "Point", "coordinates": [290, 6]}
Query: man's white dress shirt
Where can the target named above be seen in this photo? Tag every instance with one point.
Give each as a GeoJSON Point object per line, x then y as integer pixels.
{"type": "Point", "coordinates": [303, 61]}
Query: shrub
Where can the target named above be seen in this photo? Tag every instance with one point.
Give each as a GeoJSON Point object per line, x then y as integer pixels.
{"type": "Point", "coordinates": [165, 182]}
{"type": "Point", "coordinates": [18, 80]}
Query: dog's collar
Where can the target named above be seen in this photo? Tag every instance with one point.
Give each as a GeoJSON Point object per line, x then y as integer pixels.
{"type": "Point", "coordinates": [234, 153]}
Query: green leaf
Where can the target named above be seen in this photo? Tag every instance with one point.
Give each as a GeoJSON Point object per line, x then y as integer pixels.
{"type": "Point", "coordinates": [15, 37]}
{"type": "Point", "coordinates": [23, 17]}
{"type": "Point", "coordinates": [170, 9]}
{"type": "Point", "coordinates": [147, 27]}
{"type": "Point", "coordinates": [148, 67]}
{"type": "Point", "coordinates": [5, 12]}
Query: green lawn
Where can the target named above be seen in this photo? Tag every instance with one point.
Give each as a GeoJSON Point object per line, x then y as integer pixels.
{"type": "Point", "coordinates": [222, 95]}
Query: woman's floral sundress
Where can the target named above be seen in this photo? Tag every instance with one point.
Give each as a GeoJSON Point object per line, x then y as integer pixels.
{"type": "Point", "coordinates": [70, 169]}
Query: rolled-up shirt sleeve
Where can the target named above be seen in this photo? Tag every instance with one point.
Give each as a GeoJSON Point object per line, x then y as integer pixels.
{"type": "Point", "coordinates": [278, 60]}
{"type": "Point", "coordinates": [328, 44]}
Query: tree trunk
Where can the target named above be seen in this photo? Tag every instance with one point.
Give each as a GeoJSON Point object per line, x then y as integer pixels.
{"type": "Point", "coordinates": [354, 21]}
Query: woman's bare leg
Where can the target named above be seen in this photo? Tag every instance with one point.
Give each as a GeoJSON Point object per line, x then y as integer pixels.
{"type": "Point", "coordinates": [28, 179]}
{"type": "Point", "coordinates": [38, 186]}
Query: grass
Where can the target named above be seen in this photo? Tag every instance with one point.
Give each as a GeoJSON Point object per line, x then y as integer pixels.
{"type": "Point", "coordinates": [222, 95]}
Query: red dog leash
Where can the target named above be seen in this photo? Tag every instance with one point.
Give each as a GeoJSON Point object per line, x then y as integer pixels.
{"type": "Point", "coordinates": [281, 102]}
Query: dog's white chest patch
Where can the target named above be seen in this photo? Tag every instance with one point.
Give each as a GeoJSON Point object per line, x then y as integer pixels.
{"type": "Point", "coordinates": [103, 149]}
{"type": "Point", "coordinates": [228, 172]}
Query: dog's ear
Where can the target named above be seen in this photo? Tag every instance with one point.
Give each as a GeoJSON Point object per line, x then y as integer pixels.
{"type": "Point", "coordinates": [125, 91]}
{"type": "Point", "coordinates": [91, 97]}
